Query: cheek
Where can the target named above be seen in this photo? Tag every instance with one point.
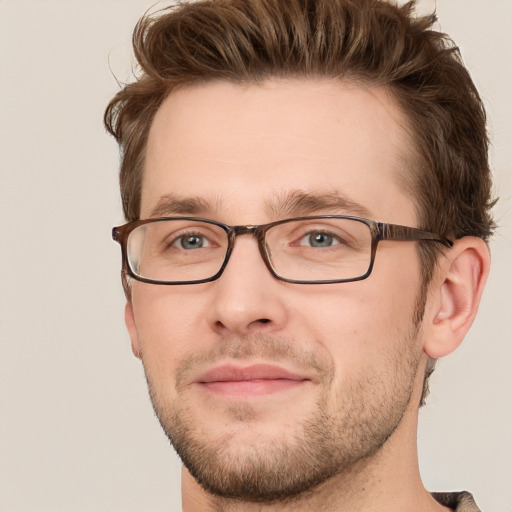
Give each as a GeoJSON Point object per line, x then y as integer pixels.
{"type": "Point", "coordinates": [169, 323]}
{"type": "Point", "coordinates": [363, 323]}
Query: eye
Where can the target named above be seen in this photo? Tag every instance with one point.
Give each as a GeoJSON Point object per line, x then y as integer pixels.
{"type": "Point", "coordinates": [319, 239]}
{"type": "Point", "coordinates": [191, 241]}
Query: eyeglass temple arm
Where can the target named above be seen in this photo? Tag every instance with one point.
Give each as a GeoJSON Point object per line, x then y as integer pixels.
{"type": "Point", "coordinates": [396, 232]}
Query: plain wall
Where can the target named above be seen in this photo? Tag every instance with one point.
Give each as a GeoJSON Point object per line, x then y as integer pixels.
{"type": "Point", "coordinates": [77, 432]}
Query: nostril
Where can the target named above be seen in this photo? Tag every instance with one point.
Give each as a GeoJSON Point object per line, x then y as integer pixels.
{"type": "Point", "coordinates": [263, 320]}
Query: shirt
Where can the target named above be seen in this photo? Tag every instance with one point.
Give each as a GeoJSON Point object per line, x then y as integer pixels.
{"type": "Point", "coordinates": [458, 501]}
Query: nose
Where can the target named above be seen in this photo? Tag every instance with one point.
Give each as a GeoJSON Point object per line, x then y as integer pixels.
{"type": "Point", "coordinates": [247, 299]}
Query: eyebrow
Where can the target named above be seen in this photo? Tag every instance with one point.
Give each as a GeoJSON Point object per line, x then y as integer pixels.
{"type": "Point", "coordinates": [172, 204]}
{"type": "Point", "coordinates": [295, 203]}
{"type": "Point", "coordinates": [298, 202]}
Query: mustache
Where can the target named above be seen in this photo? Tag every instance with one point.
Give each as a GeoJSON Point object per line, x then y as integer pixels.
{"type": "Point", "coordinates": [274, 349]}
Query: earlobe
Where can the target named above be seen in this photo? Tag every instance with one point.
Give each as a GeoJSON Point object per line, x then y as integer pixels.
{"type": "Point", "coordinates": [129, 319]}
{"type": "Point", "coordinates": [458, 288]}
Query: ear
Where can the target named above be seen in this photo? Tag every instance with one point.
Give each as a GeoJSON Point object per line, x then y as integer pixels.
{"type": "Point", "coordinates": [129, 320]}
{"type": "Point", "coordinates": [455, 295]}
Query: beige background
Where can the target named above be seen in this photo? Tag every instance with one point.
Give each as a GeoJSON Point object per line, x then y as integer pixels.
{"type": "Point", "coordinates": [77, 432]}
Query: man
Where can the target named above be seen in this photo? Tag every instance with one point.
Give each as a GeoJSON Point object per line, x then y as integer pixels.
{"type": "Point", "coordinates": [308, 196]}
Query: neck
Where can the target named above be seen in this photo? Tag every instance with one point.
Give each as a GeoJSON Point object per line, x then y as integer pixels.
{"type": "Point", "coordinates": [388, 480]}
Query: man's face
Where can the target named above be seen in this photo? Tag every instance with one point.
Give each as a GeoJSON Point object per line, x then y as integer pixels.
{"type": "Point", "coordinates": [268, 388]}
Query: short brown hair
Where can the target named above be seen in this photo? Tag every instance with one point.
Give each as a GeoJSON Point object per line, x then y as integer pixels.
{"type": "Point", "coordinates": [373, 41]}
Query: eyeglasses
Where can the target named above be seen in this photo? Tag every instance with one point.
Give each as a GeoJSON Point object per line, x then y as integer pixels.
{"type": "Point", "coordinates": [305, 250]}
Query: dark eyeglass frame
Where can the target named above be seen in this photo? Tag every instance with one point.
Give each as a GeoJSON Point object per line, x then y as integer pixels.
{"type": "Point", "coordinates": [379, 231]}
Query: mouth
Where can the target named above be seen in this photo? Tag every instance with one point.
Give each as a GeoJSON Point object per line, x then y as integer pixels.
{"type": "Point", "coordinates": [249, 381]}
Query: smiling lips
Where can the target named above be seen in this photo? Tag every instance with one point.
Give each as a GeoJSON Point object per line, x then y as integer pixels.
{"type": "Point", "coordinates": [256, 380]}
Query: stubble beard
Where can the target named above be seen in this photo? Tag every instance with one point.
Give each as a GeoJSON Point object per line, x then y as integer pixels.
{"type": "Point", "coordinates": [325, 444]}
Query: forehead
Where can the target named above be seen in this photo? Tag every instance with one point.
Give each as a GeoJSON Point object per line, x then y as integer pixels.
{"type": "Point", "coordinates": [243, 148]}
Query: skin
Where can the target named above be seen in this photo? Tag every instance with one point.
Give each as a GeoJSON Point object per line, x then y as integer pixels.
{"type": "Point", "coordinates": [354, 346]}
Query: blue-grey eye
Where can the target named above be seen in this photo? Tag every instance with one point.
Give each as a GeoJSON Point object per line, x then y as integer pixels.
{"type": "Point", "coordinates": [319, 239]}
{"type": "Point", "coordinates": [192, 242]}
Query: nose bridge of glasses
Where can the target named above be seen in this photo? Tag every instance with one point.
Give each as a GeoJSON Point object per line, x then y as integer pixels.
{"type": "Point", "coordinates": [244, 230]}
{"type": "Point", "coordinates": [254, 230]}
